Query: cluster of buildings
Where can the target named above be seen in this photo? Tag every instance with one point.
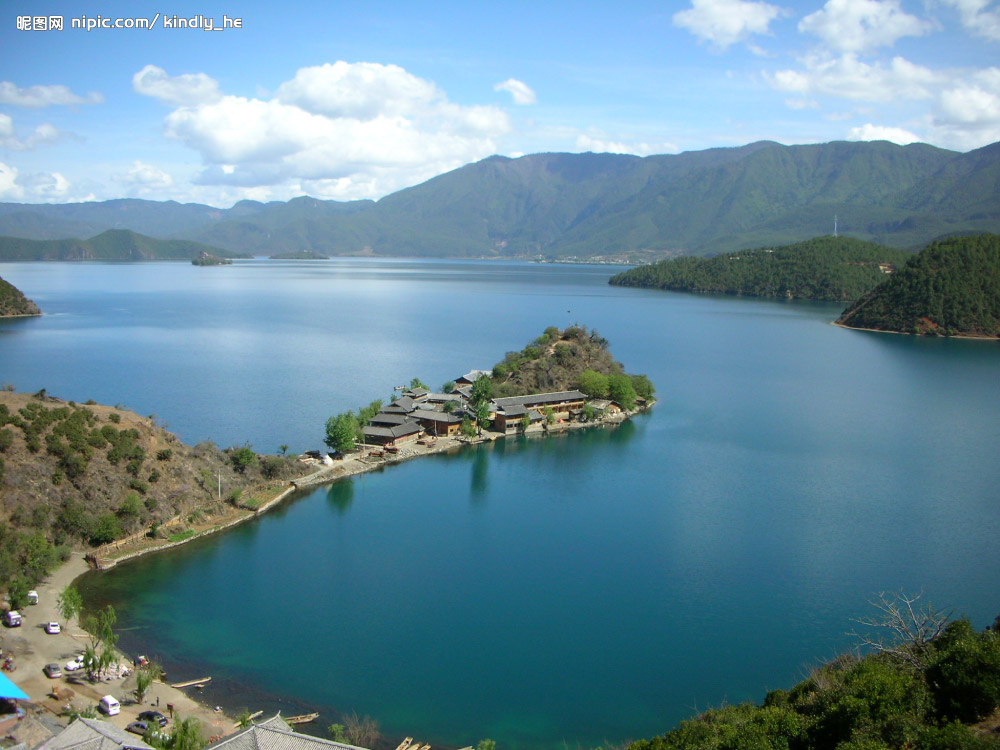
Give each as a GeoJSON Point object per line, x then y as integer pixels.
{"type": "Point", "coordinates": [419, 413]}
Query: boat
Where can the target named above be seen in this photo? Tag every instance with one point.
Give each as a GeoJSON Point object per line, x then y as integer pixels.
{"type": "Point", "coordinates": [301, 719]}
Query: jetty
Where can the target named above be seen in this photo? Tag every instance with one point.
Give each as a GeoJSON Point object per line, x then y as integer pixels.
{"type": "Point", "coordinates": [190, 683]}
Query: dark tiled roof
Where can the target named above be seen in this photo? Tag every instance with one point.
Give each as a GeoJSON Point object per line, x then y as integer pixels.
{"type": "Point", "coordinates": [382, 419]}
{"type": "Point", "coordinates": [275, 734]}
{"type": "Point", "coordinates": [538, 398]}
{"type": "Point", "coordinates": [402, 405]}
{"type": "Point", "coordinates": [396, 431]}
{"type": "Point", "coordinates": [94, 734]}
{"type": "Point", "coordinates": [436, 416]}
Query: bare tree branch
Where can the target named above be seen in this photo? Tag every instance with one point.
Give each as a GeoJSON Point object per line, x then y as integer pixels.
{"type": "Point", "coordinates": [902, 629]}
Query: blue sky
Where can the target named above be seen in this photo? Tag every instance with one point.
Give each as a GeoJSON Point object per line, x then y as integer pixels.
{"type": "Point", "coordinates": [358, 100]}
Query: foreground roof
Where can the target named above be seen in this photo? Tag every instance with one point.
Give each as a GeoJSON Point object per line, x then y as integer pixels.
{"type": "Point", "coordinates": [275, 734]}
{"type": "Point", "coordinates": [94, 734]}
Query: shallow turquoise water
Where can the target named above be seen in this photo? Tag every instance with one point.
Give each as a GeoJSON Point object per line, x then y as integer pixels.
{"type": "Point", "coordinates": [588, 587]}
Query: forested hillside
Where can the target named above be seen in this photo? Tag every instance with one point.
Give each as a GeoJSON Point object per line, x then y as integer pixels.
{"type": "Point", "coordinates": [562, 360]}
{"type": "Point", "coordinates": [13, 301]}
{"type": "Point", "coordinates": [950, 288]}
{"type": "Point", "coordinates": [926, 688]}
{"type": "Point", "coordinates": [826, 268]}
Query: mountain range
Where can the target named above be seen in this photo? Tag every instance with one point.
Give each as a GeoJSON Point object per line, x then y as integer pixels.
{"type": "Point", "coordinates": [561, 206]}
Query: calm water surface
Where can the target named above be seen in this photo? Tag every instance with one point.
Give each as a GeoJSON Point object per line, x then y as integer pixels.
{"type": "Point", "coordinates": [564, 591]}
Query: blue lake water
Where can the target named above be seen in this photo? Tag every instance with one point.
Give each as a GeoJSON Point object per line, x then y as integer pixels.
{"type": "Point", "coordinates": [549, 592]}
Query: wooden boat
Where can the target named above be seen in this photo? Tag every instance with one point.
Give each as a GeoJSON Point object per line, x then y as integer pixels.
{"type": "Point", "coordinates": [301, 719]}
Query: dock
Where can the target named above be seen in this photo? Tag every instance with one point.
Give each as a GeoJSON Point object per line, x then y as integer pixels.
{"type": "Point", "coordinates": [189, 683]}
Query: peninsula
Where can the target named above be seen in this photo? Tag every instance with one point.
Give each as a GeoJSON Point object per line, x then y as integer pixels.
{"type": "Point", "coordinates": [951, 288]}
{"type": "Point", "coordinates": [13, 303]}
{"type": "Point", "coordinates": [838, 269]}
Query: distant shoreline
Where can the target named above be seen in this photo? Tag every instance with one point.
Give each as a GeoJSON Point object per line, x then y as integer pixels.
{"type": "Point", "coordinates": [963, 336]}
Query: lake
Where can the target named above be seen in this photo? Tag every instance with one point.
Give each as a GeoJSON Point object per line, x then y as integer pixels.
{"type": "Point", "coordinates": [554, 592]}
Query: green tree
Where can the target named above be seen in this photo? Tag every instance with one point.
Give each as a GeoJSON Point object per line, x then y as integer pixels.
{"type": "Point", "coordinates": [620, 389]}
{"type": "Point", "coordinates": [70, 603]}
{"type": "Point", "coordinates": [468, 429]}
{"type": "Point", "coordinates": [482, 415]}
{"type": "Point", "coordinates": [486, 744]}
{"type": "Point", "coordinates": [450, 406]}
{"type": "Point", "coordinates": [283, 448]}
{"type": "Point", "coordinates": [145, 676]}
{"type": "Point", "coordinates": [550, 416]}
{"type": "Point", "coordinates": [187, 735]}
{"type": "Point", "coordinates": [341, 432]}
{"type": "Point", "coordinates": [643, 386]}
{"type": "Point", "coordinates": [589, 413]}
{"type": "Point", "coordinates": [336, 732]}
{"type": "Point", "coordinates": [593, 383]}
{"type": "Point", "coordinates": [448, 387]}
{"type": "Point", "coordinates": [525, 423]}
{"type": "Point", "coordinates": [17, 592]}
{"type": "Point", "coordinates": [482, 390]}
{"type": "Point", "coordinates": [270, 466]}
{"type": "Point", "coordinates": [418, 383]}
{"type": "Point", "coordinates": [243, 458]}
{"type": "Point", "coordinates": [106, 530]}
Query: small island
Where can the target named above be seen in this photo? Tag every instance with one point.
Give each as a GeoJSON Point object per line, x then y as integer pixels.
{"type": "Point", "coordinates": [951, 288]}
{"type": "Point", "coordinates": [207, 259]}
{"type": "Point", "coordinates": [836, 269]}
{"type": "Point", "coordinates": [14, 304]}
{"type": "Point", "coordinates": [300, 255]}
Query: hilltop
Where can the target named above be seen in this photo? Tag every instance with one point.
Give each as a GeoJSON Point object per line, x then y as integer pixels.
{"type": "Point", "coordinates": [838, 269]}
{"type": "Point", "coordinates": [81, 475]}
{"type": "Point", "coordinates": [13, 302]}
{"type": "Point", "coordinates": [593, 206]}
{"type": "Point", "coordinates": [951, 288]}
{"type": "Point", "coordinates": [113, 244]}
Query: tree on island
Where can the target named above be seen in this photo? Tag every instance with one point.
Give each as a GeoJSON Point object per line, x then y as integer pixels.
{"type": "Point", "coordinates": [341, 432]}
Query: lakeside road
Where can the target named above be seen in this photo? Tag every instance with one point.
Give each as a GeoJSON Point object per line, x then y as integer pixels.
{"type": "Point", "coordinates": [33, 648]}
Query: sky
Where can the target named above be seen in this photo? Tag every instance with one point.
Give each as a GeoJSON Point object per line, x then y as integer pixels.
{"type": "Point", "coordinates": [351, 101]}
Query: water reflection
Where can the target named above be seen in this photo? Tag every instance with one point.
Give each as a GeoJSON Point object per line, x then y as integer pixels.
{"type": "Point", "coordinates": [340, 495]}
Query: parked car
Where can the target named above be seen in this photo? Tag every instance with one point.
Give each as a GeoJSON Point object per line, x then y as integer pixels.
{"type": "Point", "coordinates": [52, 628]}
{"type": "Point", "coordinates": [12, 619]}
{"type": "Point", "coordinates": [137, 727]}
{"type": "Point", "coordinates": [74, 664]}
{"type": "Point", "coordinates": [153, 716]}
{"type": "Point", "coordinates": [52, 671]}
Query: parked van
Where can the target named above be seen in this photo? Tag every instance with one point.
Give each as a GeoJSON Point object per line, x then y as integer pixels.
{"type": "Point", "coordinates": [32, 597]}
{"type": "Point", "coordinates": [110, 705]}
{"type": "Point", "coordinates": [12, 619]}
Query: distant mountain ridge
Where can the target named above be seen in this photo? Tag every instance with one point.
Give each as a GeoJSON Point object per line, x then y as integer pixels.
{"type": "Point", "coordinates": [558, 206]}
{"type": "Point", "coordinates": [113, 244]}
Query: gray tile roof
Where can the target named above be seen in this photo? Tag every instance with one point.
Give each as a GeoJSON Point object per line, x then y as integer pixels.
{"type": "Point", "coordinates": [440, 398]}
{"type": "Point", "coordinates": [396, 431]}
{"type": "Point", "coordinates": [94, 734]}
{"type": "Point", "coordinates": [402, 405]}
{"type": "Point", "coordinates": [471, 375]}
{"type": "Point", "coordinates": [537, 399]}
{"type": "Point", "coordinates": [275, 734]}
{"type": "Point", "coordinates": [436, 416]}
{"type": "Point", "coordinates": [384, 420]}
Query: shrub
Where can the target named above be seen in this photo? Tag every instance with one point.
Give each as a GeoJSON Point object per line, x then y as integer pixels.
{"type": "Point", "coordinates": [6, 439]}
{"type": "Point", "coordinates": [107, 529]}
{"type": "Point", "coordinates": [116, 418]}
{"type": "Point", "coordinates": [965, 675]}
{"type": "Point", "coordinates": [164, 454]}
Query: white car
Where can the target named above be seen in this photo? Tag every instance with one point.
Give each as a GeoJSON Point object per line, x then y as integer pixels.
{"type": "Point", "coordinates": [74, 664]}
{"type": "Point", "coordinates": [52, 628]}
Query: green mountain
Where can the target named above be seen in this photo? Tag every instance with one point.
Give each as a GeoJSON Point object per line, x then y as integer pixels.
{"type": "Point", "coordinates": [621, 207]}
{"type": "Point", "coordinates": [951, 288]}
{"type": "Point", "coordinates": [114, 244]}
{"type": "Point", "coordinates": [13, 302]}
{"type": "Point", "coordinates": [839, 269]}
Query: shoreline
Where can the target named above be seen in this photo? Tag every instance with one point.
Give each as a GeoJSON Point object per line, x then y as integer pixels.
{"type": "Point", "coordinates": [962, 336]}
{"type": "Point", "coordinates": [214, 722]}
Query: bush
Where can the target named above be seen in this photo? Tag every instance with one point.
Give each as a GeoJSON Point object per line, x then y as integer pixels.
{"type": "Point", "coordinates": [116, 418]}
{"type": "Point", "coordinates": [965, 675]}
{"type": "Point", "coordinates": [6, 439]}
{"type": "Point", "coordinates": [107, 529]}
{"type": "Point", "coordinates": [242, 458]}
{"type": "Point", "coordinates": [164, 454]}
{"type": "Point", "coordinates": [270, 466]}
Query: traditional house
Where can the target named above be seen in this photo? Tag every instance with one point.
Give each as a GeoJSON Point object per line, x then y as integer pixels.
{"type": "Point", "coordinates": [94, 734]}
{"type": "Point", "coordinates": [440, 399]}
{"type": "Point", "coordinates": [438, 423]}
{"type": "Point", "coordinates": [605, 406]}
{"type": "Point", "coordinates": [417, 394]}
{"type": "Point", "coordinates": [383, 419]}
{"type": "Point", "coordinates": [402, 405]}
{"type": "Point", "coordinates": [471, 376]}
{"type": "Point", "coordinates": [396, 435]}
{"type": "Point", "coordinates": [275, 734]}
{"type": "Point", "coordinates": [513, 408]}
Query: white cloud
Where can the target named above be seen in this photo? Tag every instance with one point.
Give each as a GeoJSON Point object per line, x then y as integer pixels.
{"type": "Point", "coordinates": [602, 145]}
{"type": "Point", "coordinates": [869, 132]}
{"type": "Point", "coordinates": [189, 89]}
{"type": "Point", "coordinates": [977, 18]}
{"type": "Point", "coordinates": [726, 22]}
{"type": "Point", "coordinates": [345, 130]}
{"type": "Point", "coordinates": [36, 97]}
{"type": "Point", "coordinates": [968, 112]}
{"type": "Point", "coordinates": [801, 104]}
{"type": "Point", "coordinates": [847, 77]}
{"type": "Point", "coordinates": [522, 92]}
{"type": "Point", "coordinates": [143, 178]}
{"type": "Point", "coordinates": [9, 189]}
{"type": "Point", "coordinates": [46, 187]}
{"type": "Point", "coordinates": [859, 25]}
{"type": "Point", "coordinates": [43, 134]}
